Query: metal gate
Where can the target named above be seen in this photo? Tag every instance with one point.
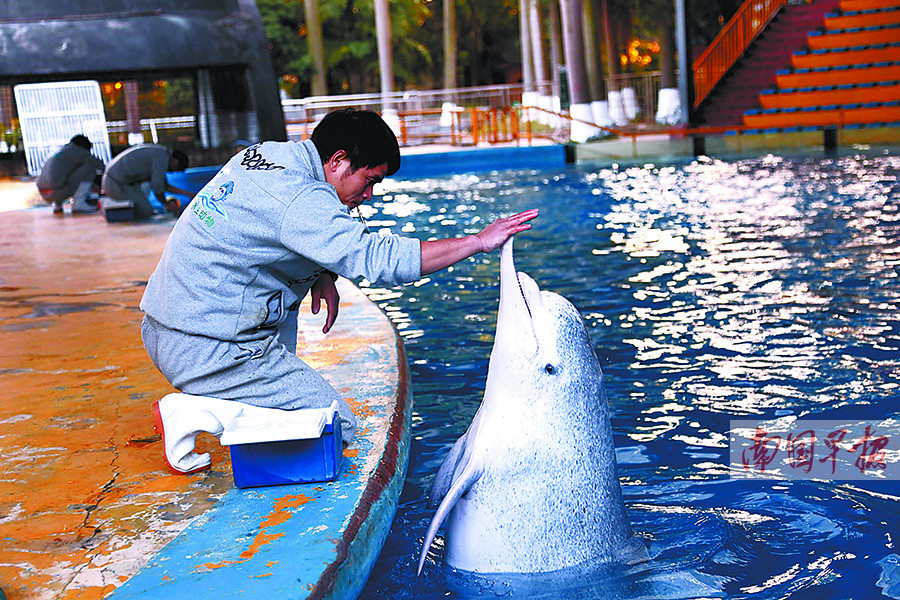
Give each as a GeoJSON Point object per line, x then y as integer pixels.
{"type": "Point", "coordinates": [51, 113]}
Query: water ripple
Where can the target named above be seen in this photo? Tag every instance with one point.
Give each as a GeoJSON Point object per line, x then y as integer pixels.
{"type": "Point", "coordinates": [713, 290]}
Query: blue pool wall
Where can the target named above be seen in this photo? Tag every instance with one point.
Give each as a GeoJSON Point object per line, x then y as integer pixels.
{"type": "Point", "coordinates": [439, 164]}
{"type": "Point", "coordinates": [430, 164]}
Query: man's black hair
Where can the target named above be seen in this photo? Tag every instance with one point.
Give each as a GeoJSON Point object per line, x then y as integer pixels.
{"type": "Point", "coordinates": [362, 134]}
{"type": "Point", "coordinates": [81, 141]}
{"type": "Point", "coordinates": [181, 158]}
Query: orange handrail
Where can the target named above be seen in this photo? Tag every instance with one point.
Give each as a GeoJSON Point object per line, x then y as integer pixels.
{"type": "Point", "coordinates": [749, 20]}
{"type": "Point", "coordinates": [491, 125]}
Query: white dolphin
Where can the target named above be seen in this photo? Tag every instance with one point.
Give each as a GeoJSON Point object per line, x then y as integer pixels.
{"type": "Point", "coordinates": [532, 485]}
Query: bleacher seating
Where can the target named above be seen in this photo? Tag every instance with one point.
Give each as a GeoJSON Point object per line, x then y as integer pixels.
{"type": "Point", "coordinates": [848, 75]}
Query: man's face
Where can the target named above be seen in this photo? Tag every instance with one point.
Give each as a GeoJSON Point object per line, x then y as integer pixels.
{"type": "Point", "coordinates": [353, 187]}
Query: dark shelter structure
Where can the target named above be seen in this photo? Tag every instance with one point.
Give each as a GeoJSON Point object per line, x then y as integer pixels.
{"type": "Point", "coordinates": [201, 68]}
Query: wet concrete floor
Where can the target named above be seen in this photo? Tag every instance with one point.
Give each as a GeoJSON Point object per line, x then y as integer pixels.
{"type": "Point", "coordinates": [84, 495]}
{"type": "Point", "coordinates": [86, 498]}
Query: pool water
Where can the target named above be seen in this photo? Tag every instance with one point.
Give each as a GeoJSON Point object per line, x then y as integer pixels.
{"type": "Point", "coordinates": [713, 290]}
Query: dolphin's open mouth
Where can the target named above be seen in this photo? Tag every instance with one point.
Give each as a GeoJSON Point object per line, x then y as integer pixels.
{"type": "Point", "coordinates": [517, 298]}
{"type": "Point", "coordinates": [524, 296]}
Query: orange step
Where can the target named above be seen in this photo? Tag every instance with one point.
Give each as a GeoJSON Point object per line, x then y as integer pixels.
{"type": "Point", "coordinates": [867, 18]}
{"type": "Point", "coordinates": [831, 116]}
{"type": "Point", "coordinates": [805, 98]}
{"type": "Point", "coordinates": [846, 56]}
{"type": "Point", "coordinates": [839, 76]}
{"type": "Point", "coordinates": [853, 5]}
{"type": "Point", "coordinates": [848, 38]}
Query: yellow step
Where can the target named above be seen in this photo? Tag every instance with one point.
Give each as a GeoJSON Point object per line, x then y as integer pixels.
{"type": "Point", "coordinates": [824, 117]}
{"type": "Point", "coordinates": [847, 56]}
{"type": "Point", "coordinates": [829, 97]}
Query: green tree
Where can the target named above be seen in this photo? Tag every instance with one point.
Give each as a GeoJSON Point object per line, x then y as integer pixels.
{"type": "Point", "coordinates": [417, 42]}
{"type": "Point", "coordinates": [655, 19]}
{"type": "Point", "coordinates": [287, 48]}
{"type": "Point", "coordinates": [488, 41]}
{"type": "Point", "coordinates": [315, 46]}
{"type": "Point", "coordinates": [348, 29]}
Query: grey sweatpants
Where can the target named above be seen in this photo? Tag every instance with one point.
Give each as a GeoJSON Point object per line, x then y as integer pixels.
{"type": "Point", "coordinates": [264, 373]}
{"type": "Point", "coordinates": [84, 173]}
{"type": "Point", "coordinates": [136, 193]}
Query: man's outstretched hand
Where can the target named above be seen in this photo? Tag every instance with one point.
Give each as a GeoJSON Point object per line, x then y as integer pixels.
{"type": "Point", "coordinates": [494, 235]}
{"type": "Point", "coordinates": [440, 254]}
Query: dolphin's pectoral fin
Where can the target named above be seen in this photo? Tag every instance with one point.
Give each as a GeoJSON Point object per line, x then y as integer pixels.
{"type": "Point", "coordinates": [444, 478]}
{"type": "Point", "coordinates": [634, 551]}
{"type": "Point", "coordinates": [460, 486]}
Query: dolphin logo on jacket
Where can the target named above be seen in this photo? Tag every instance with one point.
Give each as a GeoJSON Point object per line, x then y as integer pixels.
{"type": "Point", "coordinates": [211, 201]}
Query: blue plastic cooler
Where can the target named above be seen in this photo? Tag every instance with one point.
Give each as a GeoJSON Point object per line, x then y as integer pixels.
{"type": "Point", "coordinates": [305, 447]}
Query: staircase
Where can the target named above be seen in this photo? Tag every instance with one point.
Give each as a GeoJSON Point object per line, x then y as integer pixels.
{"type": "Point", "coordinates": [771, 51]}
{"type": "Point", "coordinates": [847, 75]}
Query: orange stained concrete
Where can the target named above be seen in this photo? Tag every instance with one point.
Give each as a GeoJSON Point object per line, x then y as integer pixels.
{"type": "Point", "coordinates": [85, 495]}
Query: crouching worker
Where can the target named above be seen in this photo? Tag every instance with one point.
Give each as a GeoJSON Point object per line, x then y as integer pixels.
{"type": "Point", "coordinates": [72, 172]}
{"type": "Point", "coordinates": [132, 174]}
{"type": "Point", "coordinates": [273, 225]}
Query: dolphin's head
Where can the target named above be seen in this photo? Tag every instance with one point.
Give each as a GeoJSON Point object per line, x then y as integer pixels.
{"type": "Point", "coordinates": [541, 349]}
{"type": "Point", "coordinates": [532, 486]}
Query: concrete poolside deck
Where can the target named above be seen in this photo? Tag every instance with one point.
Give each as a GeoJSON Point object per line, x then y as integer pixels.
{"type": "Point", "coordinates": [87, 503]}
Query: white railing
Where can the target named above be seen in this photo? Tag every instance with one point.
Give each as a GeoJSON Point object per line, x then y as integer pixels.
{"type": "Point", "coordinates": [431, 116]}
{"type": "Point", "coordinates": [153, 126]}
{"type": "Point", "coordinates": [426, 115]}
{"type": "Point", "coordinates": [646, 94]}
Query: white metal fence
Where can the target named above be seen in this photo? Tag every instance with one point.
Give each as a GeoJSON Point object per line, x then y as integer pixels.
{"type": "Point", "coordinates": [51, 113]}
{"type": "Point", "coordinates": [154, 126]}
{"type": "Point", "coordinates": [425, 114]}
{"type": "Point", "coordinates": [645, 87]}
{"type": "Point", "coordinates": [420, 116]}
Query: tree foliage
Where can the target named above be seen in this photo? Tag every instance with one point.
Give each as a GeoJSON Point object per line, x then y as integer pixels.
{"type": "Point", "coordinates": [488, 43]}
{"type": "Point", "coordinates": [487, 47]}
{"type": "Point", "coordinates": [287, 46]}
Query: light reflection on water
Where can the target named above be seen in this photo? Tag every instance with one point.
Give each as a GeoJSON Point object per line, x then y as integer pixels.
{"type": "Point", "coordinates": [713, 290]}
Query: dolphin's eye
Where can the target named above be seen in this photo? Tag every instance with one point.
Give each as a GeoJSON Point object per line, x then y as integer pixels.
{"type": "Point", "coordinates": [550, 369]}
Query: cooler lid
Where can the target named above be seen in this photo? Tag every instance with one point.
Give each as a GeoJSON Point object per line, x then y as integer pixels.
{"type": "Point", "coordinates": [300, 424]}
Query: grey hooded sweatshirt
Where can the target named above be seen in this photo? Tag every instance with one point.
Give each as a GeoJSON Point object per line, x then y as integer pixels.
{"type": "Point", "coordinates": [254, 240]}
